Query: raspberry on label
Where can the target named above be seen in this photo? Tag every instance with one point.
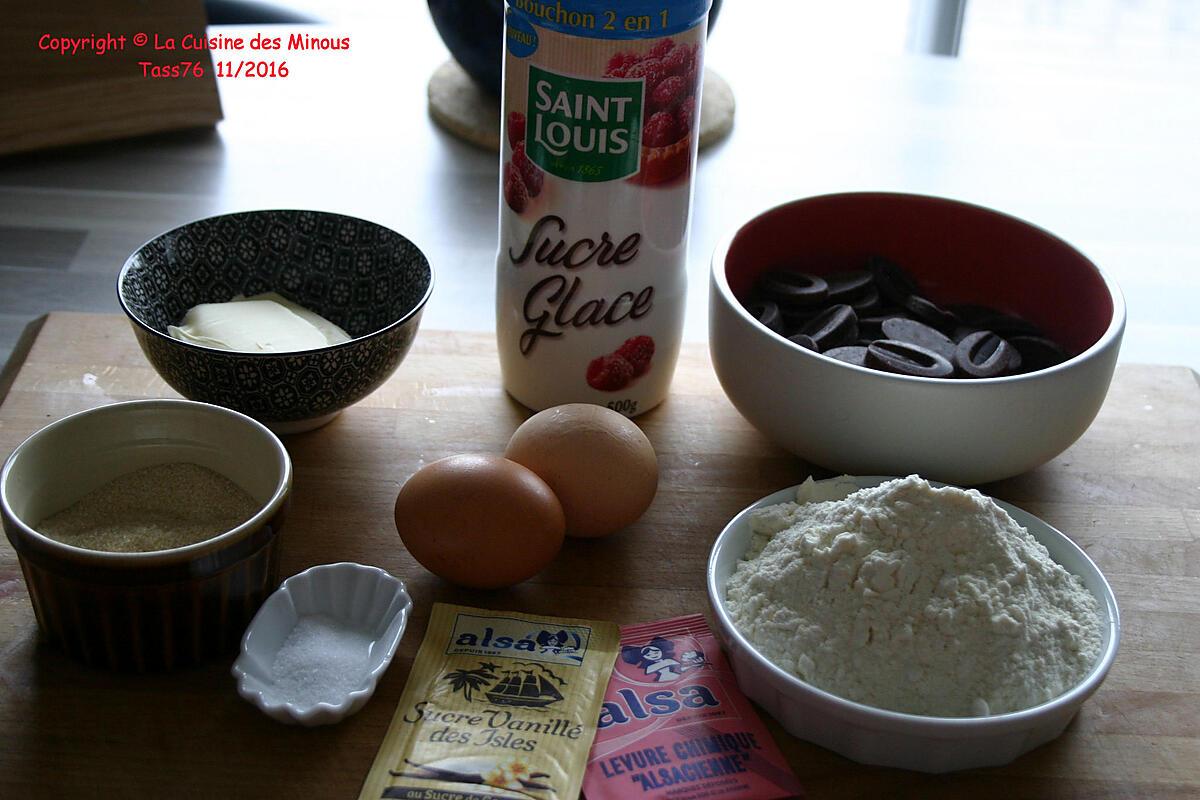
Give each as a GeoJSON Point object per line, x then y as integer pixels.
{"type": "Point", "coordinates": [515, 193]}
{"type": "Point", "coordinates": [516, 129]}
{"type": "Point", "coordinates": [609, 373]}
{"type": "Point", "coordinates": [619, 64]}
{"type": "Point", "coordinates": [659, 130]}
{"type": "Point", "coordinates": [680, 60]}
{"type": "Point", "coordinates": [662, 47]}
{"type": "Point", "coordinates": [651, 69]}
{"type": "Point", "coordinates": [530, 174]}
{"type": "Point", "coordinates": [669, 92]}
{"type": "Point", "coordinates": [686, 114]}
{"type": "Point", "coordinates": [638, 351]}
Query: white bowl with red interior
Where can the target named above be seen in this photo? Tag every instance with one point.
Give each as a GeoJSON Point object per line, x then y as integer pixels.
{"type": "Point", "coordinates": [858, 420]}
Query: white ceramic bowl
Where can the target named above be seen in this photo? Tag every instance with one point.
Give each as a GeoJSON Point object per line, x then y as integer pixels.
{"type": "Point", "coordinates": [861, 421]}
{"type": "Point", "coordinates": [153, 610]}
{"type": "Point", "coordinates": [364, 598]}
{"type": "Point", "coordinates": [887, 738]}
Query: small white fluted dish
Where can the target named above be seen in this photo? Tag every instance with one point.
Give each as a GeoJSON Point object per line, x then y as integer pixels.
{"type": "Point", "coordinates": [872, 735]}
{"type": "Point", "coordinates": [365, 599]}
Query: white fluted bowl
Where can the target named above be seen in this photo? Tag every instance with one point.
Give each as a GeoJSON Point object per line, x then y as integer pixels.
{"type": "Point", "coordinates": [364, 598]}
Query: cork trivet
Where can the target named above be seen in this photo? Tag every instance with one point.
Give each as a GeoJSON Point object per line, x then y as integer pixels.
{"type": "Point", "coordinates": [463, 109]}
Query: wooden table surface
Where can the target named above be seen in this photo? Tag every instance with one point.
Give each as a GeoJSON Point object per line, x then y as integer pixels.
{"type": "Point", "coordinates": [1128, 492]}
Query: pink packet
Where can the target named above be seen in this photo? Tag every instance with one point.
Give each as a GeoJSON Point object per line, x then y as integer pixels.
{"type": "Point", "coordinates": [675, 726]}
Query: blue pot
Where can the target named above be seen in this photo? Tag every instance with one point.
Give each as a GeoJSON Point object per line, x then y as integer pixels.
{"type": "Point", "coordinates": [473, 32]}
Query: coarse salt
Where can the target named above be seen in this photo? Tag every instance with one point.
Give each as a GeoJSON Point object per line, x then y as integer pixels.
{"type": "Point", "coordinates": [321, 661]}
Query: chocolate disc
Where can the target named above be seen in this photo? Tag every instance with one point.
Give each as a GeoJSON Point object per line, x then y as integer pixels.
{"type": "Point", "coordinates": [844, 286]}
{"type": "Point", "coordinates": [833, 327]}
{"type": "Point", "coordinates": [879, 319]}
{"type": "Point", "coordinates": [1007, 325]}
{"type": "Point", "coordinates": [891, 281]}
{"type": "Point", "coordinates": [983, 318]}
{"type": "Point", "coordinates": [804, 341]}
{"type": "Point", "coordinates": [931, 313]}
{"type": "Point", "coordinates": [983, 354]}
{"type": "Point", "coordinates": [1037, 352]}
{"type": "Point", "coordinates": [913, 332]}
{"type": "Point", "coordinates": [961, 332]}
{"type": "Point", "coordinates": [1015, 362]}
{"type": "Point", "coordinates": [793, 288]}
{"type": "Point", "coordinates": [971, 315]}
{"type": "Point", "coordinates": [796, 317]}
{"type": "Point", "coordinates": [767, 313]}
{"type": "Point", "coordinates": [904, 358]}
{"type": "Point", "coordinates": [868, 302]}
{"type": "Point", "coordinates": [851, 355]}
{"type": "Point", "coordinates": [871, 327]}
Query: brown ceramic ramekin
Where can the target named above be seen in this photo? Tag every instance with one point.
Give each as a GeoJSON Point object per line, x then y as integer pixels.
{"type": "Point", "coordinates": [152, 610]}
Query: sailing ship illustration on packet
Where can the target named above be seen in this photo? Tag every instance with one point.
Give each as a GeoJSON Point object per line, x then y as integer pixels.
{"type": "Point", "coordinates": [525, 684]}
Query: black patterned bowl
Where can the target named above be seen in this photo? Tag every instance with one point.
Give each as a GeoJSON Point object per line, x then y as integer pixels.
{"type": "Point", "coordinates": [367, 279]}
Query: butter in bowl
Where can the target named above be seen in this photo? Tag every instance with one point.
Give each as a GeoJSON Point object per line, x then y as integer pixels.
{"type": "Point", "coordinates": [264, 323]}
{"type": "Point", "coordinates": [286, 316]}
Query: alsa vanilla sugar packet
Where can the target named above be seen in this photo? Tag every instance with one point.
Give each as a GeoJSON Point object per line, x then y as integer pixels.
{"type": "Point", "coordinates": [498, 705]}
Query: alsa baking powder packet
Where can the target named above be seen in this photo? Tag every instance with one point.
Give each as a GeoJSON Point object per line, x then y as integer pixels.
{"type": "Point", "coordinates": [675, 725]}
{"type": "Point", "coordinates": [498, 705]}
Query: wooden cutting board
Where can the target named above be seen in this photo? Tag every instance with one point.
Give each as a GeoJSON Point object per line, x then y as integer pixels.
{"type": "Point", "coordinates": [1128, 493]}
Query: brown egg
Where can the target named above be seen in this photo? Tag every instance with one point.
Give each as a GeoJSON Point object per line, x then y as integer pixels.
{"type": "Point", "coordinates": [479, 521]}
{"type": "Point", "coordinates": [598, 462]}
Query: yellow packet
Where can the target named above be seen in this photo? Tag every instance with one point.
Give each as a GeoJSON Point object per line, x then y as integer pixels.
{"type": "Point", "coordinates": [498, 705]}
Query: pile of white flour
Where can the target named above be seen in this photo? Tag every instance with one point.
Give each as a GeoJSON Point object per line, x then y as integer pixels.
{"type": "Point", "coordinates": [922, 600]}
